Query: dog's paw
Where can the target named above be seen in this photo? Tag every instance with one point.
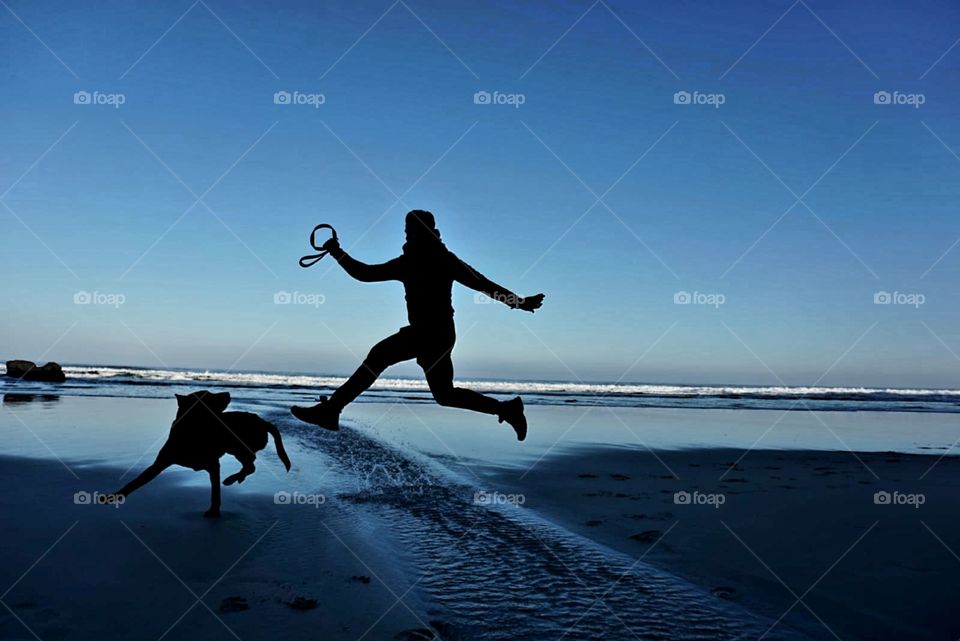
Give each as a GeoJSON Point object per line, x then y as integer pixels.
{"type": "Point", "coordinates": [230, 480]}
{"type": "Point", "coordinates": [212, 513]}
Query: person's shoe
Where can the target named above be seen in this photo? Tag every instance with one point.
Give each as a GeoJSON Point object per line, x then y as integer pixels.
{"type": "Point", "coordinates": [512, 412]}
{"type": "Point", "coordinates": [322, 415]}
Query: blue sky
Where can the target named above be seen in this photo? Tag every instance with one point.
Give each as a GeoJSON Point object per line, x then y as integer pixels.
{"type": "Point", "coordinates": [598, 190]}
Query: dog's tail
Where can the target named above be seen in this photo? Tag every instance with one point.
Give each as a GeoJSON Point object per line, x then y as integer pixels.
{"type": "Point", "coordinates": [278, 443]}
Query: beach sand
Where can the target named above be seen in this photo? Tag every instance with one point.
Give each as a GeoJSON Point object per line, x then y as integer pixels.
{"type": "Point", "coordinates": [154, 568]}
{"type": "Point", "coordinates": [302, 568]}
{"type": "Point", "coordinates": [400, 547]}
{"type": "Point", "coordinates": [767, 528]}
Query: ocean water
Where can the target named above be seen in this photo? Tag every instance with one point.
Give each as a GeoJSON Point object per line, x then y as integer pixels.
{"type": "Point", "coordinates": [562, 416]}
{"type": "Point", "coordinates": [95, 380]}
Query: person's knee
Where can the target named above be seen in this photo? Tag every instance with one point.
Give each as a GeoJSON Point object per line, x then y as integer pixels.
{"type": "Point", "coordinates": [377, 359]}
{"type": "Point", "coordinates": [443, 394]}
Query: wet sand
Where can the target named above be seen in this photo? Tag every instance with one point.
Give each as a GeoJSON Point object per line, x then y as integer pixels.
{"type": "Point", "coordinates": [155, 568]}
{"type": "Point", "coordinates": [764, 528]}
{"type": "Point", "coordinates": [598, 549]}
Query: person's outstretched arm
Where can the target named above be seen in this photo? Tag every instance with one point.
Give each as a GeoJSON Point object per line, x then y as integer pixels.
{"type": "Point", "coordinates": [363, 272]}
{"type": "Point", "coordinates": [468, 276]}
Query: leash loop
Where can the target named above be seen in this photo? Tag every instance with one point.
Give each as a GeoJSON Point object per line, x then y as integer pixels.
{"type": "Point", "coordinates": [312, 259]}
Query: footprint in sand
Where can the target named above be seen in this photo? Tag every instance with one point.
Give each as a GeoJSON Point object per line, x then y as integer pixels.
{"type": "Point", "coordinates": [416, 634]}
{"type": "Point", "coordinates": [234, 604]}
{"type": "Point", "coordinates": [647, 536]}
{"type": "Point", "coordinates": [723, 592]}
{"type": "Point", "coordinates": [619, 477]}
{"type": "Point", "coordinates": [301, 603]}
{"type": "Point", "coordinates": [441, 631]}
{"type": "Point", "coordinates": [658, 516]}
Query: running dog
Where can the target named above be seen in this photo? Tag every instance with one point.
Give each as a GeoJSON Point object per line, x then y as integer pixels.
{"type": "Point", "coordinates": [202, 432]}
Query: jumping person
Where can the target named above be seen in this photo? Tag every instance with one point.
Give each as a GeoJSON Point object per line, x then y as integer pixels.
{"type": "Point", "coordinates": [427, 270]}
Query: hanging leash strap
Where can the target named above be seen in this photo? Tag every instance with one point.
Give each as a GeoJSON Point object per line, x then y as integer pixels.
{"type": "Point", "coordinates": [312, 259]}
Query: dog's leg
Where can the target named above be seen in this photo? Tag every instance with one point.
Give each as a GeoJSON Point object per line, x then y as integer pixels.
{"type": "Point", "coordinates": [245, 471]}
{"type": "Point", "coordinates": [214, 471]}
{"type": "Point", "coordinates": [145, 477]}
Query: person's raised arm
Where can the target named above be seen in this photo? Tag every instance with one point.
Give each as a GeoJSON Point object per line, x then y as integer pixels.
{"type": "Point", "coordinates": [363, 272]}
{"type": "Point", "coordinates": [468, 276]}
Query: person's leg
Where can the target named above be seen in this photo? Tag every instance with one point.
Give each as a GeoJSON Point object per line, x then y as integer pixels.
{"type": "Point", "coordinates": [440, 379]}
{"type": "Point", "coordinates": [438, 368]}
{"type": "Point", "coordinates": [394, 349]}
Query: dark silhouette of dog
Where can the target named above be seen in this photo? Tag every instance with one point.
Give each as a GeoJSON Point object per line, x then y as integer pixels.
{"type": "Point", "coordinates": [204, 431]}
{"type": "Point", "coordinates": [428, 271]}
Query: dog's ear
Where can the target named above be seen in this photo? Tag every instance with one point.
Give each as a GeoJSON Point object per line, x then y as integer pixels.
{"type": "Point", "coordinates": [219, 402]}
{"type": "Point", "coordinates": [185, 402]}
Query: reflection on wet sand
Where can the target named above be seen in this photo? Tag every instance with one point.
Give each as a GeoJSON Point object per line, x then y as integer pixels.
{"type": "Point", "coordinates": [15, 399]}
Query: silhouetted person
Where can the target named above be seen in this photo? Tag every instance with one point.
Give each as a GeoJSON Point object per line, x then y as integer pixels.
{"type": "Point", "coordinates": [427, 270]}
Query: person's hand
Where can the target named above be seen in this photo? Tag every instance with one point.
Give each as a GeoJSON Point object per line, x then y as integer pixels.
{"type": "Point", "coordinates": [531, 303]}
{"type": "Point", "coordinates": [331, 246]}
